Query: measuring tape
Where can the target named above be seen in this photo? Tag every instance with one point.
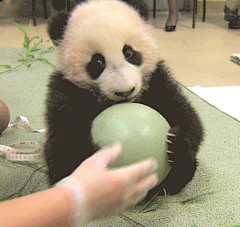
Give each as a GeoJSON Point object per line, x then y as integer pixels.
{"type": "Point", "coordinates": [13, 154]}
{"type": "Point", "coordinates": [25, 121]}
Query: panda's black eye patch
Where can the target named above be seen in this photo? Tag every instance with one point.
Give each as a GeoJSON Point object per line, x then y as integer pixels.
{"type": "Point", "coordinates": [96, 66]}
{"type": "Point", "coordinates": [132, 56]}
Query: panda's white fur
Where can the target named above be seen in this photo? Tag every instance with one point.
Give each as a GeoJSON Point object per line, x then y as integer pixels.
{"type": "Point", "coordinates": [96, 26]}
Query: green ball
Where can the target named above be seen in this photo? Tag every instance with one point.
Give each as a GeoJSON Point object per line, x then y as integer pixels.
{"type": "Point", "coordinates": [141, 131]}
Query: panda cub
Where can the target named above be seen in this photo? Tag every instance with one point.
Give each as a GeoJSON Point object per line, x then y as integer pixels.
{"type": "Point", "coordinates": [106, 56]}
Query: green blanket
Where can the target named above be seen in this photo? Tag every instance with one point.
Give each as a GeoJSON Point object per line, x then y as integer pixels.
{"type": "Point", "coordinates": [212, 198]}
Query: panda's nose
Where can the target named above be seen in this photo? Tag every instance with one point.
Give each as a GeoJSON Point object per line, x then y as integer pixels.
{"type": "Point", "coordinates": [125, 94]}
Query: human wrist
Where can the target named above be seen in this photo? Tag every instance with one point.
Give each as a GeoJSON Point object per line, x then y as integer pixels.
{"type": "Point", "coordinates": [79, 215]}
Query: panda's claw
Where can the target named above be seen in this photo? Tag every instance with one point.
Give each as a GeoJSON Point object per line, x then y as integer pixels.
{"type": "Point", "coordinates": [170, 152]}
{"type": "Point", "coordinates": [168, 141]}
{"type": "Point", "coordinates": [170, 161]}
{"type": "Point", "coordinates": [170, 134]}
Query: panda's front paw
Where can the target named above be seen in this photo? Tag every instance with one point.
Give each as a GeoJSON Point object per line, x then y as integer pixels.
{"type": "Point", "coordinates": [169, 140]}
{"type": "Point", "coordinates": [172, 137]}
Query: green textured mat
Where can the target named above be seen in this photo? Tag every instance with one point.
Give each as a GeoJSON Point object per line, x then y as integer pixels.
{"type": "Point", "coordinates": [212, 198]}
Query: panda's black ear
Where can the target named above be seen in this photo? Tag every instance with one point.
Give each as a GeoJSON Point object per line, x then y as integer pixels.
{"type": "Point", "coordinates": [56, 26]}
{"type": "Point", "coordinates": [141, 6]}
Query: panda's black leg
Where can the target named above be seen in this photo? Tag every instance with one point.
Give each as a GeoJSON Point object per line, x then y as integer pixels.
{"type": "Point", "coordinates": [177, 178]}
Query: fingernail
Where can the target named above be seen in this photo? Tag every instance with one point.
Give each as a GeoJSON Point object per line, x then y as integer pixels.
{"type": "Point", "coordinates": [151, 167]}
{"type": "Point", "coordinates": [155, 182]}
{"type": "Point", "coordinates": [116, 144]}
{"type": "Point", "coordinates": [116, 147]}
{"type": "Point", "coordinates": [155, 165]}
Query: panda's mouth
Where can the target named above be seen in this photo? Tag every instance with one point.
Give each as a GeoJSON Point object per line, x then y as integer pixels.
{"type": "Point", "coordinates": [118, 99]}
{"type": "Point", "coordinates": [128, 99]}
{"type": "Point", "coordinates": [120, 96]}
{"type": "Point", "coordinates": [124, 101]}
{"type": "Point", "coordinates": [123, 96]}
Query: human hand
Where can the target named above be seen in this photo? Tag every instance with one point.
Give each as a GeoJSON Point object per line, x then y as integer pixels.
{"type": "Point", "coordinates": [99, 191]}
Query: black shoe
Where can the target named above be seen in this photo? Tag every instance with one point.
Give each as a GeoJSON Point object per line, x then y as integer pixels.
{"type": "Point", "coordinates": [170, 28]}
{"type": "Point", "coordinates": [230, 14]}
{"type": "Point", "coordinates": [234, 24]}
{"type": "Point", "coordinates": [171, 16]}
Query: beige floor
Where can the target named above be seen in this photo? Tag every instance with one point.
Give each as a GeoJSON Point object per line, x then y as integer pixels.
{"type": "Point", "coordinates": [199, 56]}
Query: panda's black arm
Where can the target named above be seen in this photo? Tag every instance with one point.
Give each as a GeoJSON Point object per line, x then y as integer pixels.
{"type": "Point", "coordinates": [165, 96]}
{"type": "Point", "coordinates": [69, 111]}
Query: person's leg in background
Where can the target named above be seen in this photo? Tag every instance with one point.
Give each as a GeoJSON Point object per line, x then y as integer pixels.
{"type": "Point", "coordinates": [172, 16]}
{"type": "Point", "coordinates": [231, 13]}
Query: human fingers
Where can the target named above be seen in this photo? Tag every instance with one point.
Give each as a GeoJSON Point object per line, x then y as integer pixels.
{"type": "Point", "coordinates": [143, 187]}
{"type": "Point", "coordinates": [147, 183]}
{"type": "Point", "coordinates": [106, 155]}
{"type": "Point", "coordinates": [139, 170]}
